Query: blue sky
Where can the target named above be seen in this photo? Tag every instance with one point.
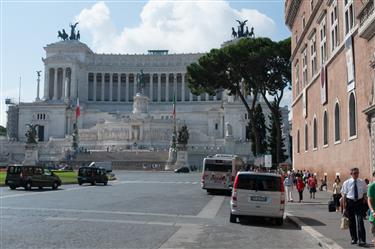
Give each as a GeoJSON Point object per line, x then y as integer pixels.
{"type": "Point", "coordinates": [120, 26]}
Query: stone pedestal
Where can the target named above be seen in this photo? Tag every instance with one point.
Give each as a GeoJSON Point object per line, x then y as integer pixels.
{"type": "Point", "coordinates": [182, 159]}
{"type": "Point", "coordinates": [171, 159]}
{"type": "Point", "coordinates": [229, 145]}
{"type": "Point", "coordinates": [140, 104]}
{"type": "Point", "coordinates": [31, 155]}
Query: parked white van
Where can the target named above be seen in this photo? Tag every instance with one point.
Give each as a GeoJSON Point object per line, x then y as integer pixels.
{"type": "Point", "coordinates": [258, 194]}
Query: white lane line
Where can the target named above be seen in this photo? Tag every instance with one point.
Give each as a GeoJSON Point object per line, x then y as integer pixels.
{"type": "Point", "coordinates": [155, 182]}
{"type": "Point", "coordinates": [45, 192]}
{"type": "Point", "coordinates": [100, 212]}
{"type": "Point", "coordinates": [137, 222]}
{"type": "Point", "coordinates": [323, 240]}
{"type": "Point", "coordinates": [212, 207]}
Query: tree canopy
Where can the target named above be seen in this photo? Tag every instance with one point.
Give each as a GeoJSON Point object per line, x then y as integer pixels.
{"type": "Point", "coordinates": [251, 66]}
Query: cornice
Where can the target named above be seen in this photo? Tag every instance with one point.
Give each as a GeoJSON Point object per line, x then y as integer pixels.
{"type": "Point", "coordinates": [309, 22]}
{"type": "Point", "coordinates": [291, 12]}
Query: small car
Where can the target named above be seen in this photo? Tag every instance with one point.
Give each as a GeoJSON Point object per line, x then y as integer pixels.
{"type": "Point", "coordinates": [258, 194]}
{"type": "Point", "coordinates": [92, 175]}
{"type": "Point", "coordinates": [182, 170]}
{"type": "Point", "coordinates": [31, 176]}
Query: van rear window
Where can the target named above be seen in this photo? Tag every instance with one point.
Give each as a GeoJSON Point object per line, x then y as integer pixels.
{"type": "Point", "coordinates": [259, 183]}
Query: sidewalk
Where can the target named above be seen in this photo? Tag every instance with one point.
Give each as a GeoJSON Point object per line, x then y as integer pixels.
{"type": "Point", "coordinates": [314, 214]}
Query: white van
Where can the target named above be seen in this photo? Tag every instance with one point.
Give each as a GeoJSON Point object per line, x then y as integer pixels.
{"type": "Point", "coordinates": [258, 194]}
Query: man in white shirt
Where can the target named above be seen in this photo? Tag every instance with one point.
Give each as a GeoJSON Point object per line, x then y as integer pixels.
{"type": "Point", "coordinates": [354, 192]}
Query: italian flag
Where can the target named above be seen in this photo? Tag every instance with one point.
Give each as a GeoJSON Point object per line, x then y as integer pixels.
{"type": "Point", "coordinates": [78, 109]}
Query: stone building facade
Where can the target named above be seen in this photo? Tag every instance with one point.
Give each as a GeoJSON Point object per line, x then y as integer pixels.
{"type": "Point", "coordinates": [106, 86]}
{"type": "Point", "coordinates": [333, 53]}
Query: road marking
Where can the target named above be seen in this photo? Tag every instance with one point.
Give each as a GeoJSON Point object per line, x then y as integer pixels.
{"type": "Point", "coordinates": [101, 212]}
{"type": "Point", "coordinates": [45, 192]}
{"type": "Point", "coordinates": [323, 240]}
{"type": "Point", "coordinates": [212, 207]}
{"type": "Point", "coordinates": [137, 222]}
{"type": "Point", "coordinates": [186, 234]}
{"type": "Point", "coordinates": [155, 182]}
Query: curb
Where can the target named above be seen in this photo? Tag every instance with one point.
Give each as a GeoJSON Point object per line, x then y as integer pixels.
{"type": "Point", "coordinates": [323, 241]}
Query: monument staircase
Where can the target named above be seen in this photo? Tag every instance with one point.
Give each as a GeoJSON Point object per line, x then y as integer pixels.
{"type": "Point", "coordinates": [127, 160]}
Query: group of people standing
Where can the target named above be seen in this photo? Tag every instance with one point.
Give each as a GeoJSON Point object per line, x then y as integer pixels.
{"type": "Point", "coordinates": [355, 198]}
{"type": "Point", "coordinates": [300, 180]}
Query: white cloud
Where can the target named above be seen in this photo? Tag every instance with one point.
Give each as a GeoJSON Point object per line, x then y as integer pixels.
{"type": "Point", "coordinates": [178, 26]}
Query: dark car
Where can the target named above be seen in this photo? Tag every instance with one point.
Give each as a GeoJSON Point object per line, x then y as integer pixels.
{"type": "Point", "coordinates": [92, 175]}
{"type": "Point", "coordinates": [31, 176]}
{"type": "Point", "coordinates": [182, 170]}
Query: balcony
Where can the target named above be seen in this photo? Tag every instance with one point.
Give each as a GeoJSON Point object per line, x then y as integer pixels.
{"type": "Point", "coordinates": [367, 20]}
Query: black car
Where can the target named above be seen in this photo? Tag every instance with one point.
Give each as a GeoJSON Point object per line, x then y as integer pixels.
{"type": "Point", "coordinates": [31, 176]}
{"type": "Point", "coordinates": [182, 170]}
{"type": "Point", "coordinates": [92, 175]}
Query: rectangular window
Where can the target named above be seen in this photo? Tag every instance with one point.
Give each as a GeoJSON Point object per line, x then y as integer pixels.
{"type": "Point", "coordinates": [313, 56]}
{"type": "Point", "coordinates": [334, 27]}
{"type": "Point", "coordinates": [297, 79]}
{"type": "Point", "coordinates": [303, 22]}
{"type": "Point", "coordinates": [348, 15]}
{"type": "Point", "coordinates": [323, 42]}
{"type": "Point", "coordinates": [304, 67]}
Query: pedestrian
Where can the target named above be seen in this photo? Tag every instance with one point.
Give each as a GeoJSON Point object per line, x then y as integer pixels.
{"type": "Point", "coordinates": [337, 192]}
{"type": "Point", "coordinates": [354, 192]}
{"type": "Point", "coordinates": [300, 188]}
{"type": "Point", "coordinates": [288, 184]}
{"type": "Point", "coordinates": [311, 182]}
{"type": "Point", "coordinates": [323, 184]}
{"type": "Point", "coordinates": [371, 205]}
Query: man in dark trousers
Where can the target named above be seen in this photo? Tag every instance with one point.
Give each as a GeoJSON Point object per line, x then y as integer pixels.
{"type": "Point", "coordinates": [354, 193]}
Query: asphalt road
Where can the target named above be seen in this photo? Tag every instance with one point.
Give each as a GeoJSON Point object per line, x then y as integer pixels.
{"type": "Point", "coordinates": [139, 210]}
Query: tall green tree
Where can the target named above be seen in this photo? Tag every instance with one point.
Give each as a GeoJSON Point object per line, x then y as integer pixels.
{"type": "Point", "coordinates": [274, 137]}
{"type": "Point", "coordinates": [3, 131]}
{"type": "Point", "coordinates": [261, 128]}
{"type": "Point", "coordinates": [276, 79]}
{"type": "Point", "coordinates": [234, 68]}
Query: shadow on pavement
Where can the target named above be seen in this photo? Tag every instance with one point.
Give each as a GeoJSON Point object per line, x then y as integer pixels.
{"type": "Point", "coordinates": [310, 221]}
{"type": "Point", "coordinates": [266, 223]}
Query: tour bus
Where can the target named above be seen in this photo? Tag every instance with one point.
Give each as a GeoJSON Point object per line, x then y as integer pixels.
{"type": "Point", "coordinates": [219, 171]}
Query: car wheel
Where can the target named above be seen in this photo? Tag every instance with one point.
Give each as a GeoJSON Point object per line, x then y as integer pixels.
{"type": "Point", "coordinates": [209, 191]}
{"type": "Point", "coordinates": [80, 183]}
{"type": "Point", "coordinates": [279, 221]}
{"type": "Point", "coordinates": [12, 187]}
{"type": "Point", "coordinates": [93, 182]}
{"type": "Point", "coordinates": [41, 188]}
{"type": "Point", "coordinates": [105, 183]}
{"type": "Point", "coordinates": [28, 185]}
{"type": "Point", "coordinates": [55, 185]}
{"type": "Point", "coordinates": [233, 218]}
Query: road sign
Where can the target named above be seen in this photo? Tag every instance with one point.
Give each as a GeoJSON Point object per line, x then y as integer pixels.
{"type": "Point", "coordinates": [268, 161]}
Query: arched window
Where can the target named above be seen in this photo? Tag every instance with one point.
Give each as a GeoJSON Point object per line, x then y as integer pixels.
{"type": "Point", "coordinates": [325, 128]}
{"type": "Point", "coordinates": [315, 134]}
{"type": "Point", "coordinates": [306, 138]}
{"type": "Point", "coordinates": [352, 116]}
{"type": "Point", "coordinates": [297, 141]}
{"type": "Point", "coordinates": [337, 122]}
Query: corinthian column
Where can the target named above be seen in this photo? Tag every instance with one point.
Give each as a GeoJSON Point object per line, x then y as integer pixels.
{"type": "Point", "coordinates": [55, 84]}
{"type": "Point", "coordinates": [159, 87]}
{"type": "Point", "coordinates": [46, 83]}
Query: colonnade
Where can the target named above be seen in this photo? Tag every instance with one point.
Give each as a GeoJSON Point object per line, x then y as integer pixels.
{"type": "Point", "coordinates": [159, 87]}
{"type": "Point", "coordinates": [60, 83]}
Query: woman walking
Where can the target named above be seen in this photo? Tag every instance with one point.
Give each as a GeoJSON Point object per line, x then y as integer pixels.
{"type": "Point", "coordinates": [300, 188]}
{"type": "Point", "coordinates": [337, 192]}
